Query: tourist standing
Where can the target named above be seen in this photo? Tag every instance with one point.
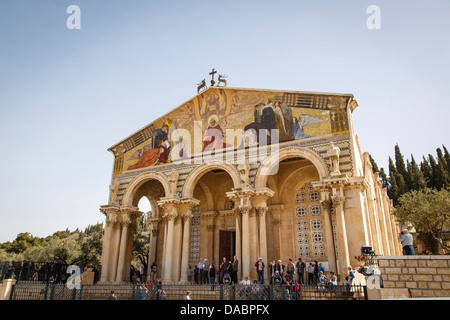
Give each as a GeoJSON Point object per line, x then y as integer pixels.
{"type": "Point", "coordinates": [310, 271]}
{"type": "Point", "coordinates": [206, 266]}
{"type": "Point", "coordinates": [349, 277]}
{"type": "Point", "coordinates": [235, 268]}
{"type": "Point", "coordinates": [406, 240]}
{"type": "Point", "coordinates": [260, 270]}
{"type": "Point", "coordinates": [316, 271]}
{"type": "Point", "coordinates": [212, 275]}
{"type": "Point", "coordinates": [189, 273]}
{"type": "Point", "coordinates": [224, 268]}
{"type": "Point", "coordinates": [290, 270]}
{"type": "Point", "coordinates": [272, 269]}
{"type": "Point", "coordinates": [301, 271]}
{"type": "Point", "coordinates": [196, 272]}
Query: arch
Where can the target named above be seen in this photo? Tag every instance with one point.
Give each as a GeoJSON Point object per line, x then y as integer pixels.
{"type": "Point", "coordinates": [138, 181]}
{"type": "Point", "coordinates": [197, 173]}
{"type": "Point", "coordinates": [306, 175]}
{"type": "Point", "coordinates": [208, 195]}
{"type": "Point", "coordinates": [271, 162]}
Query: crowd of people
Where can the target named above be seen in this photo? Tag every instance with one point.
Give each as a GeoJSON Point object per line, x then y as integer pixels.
{"type": "Point", "coordinates": [291, 274]}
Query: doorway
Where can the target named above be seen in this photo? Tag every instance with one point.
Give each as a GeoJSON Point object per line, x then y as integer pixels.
{"type": "Point", "coordinates": [227, 244]}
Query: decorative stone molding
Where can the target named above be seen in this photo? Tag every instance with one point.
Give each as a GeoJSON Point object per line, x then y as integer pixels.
{"type": "Point", "coordinates": [326, 204]}
{"type": "Point", "coordinates": [261, 211]}
{"type": "Point", "coordinates": [338, 200]}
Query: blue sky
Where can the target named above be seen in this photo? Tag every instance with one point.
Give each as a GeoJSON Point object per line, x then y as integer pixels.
{"type": "Point", "coordinates": [68, 95]}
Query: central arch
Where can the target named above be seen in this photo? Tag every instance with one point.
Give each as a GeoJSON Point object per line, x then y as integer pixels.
{"type": "Point", "coordinates": [271, 162]}
{"type": "Point", "coordinates": [197, 173]}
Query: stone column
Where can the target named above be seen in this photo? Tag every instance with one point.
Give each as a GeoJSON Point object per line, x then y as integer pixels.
{"type": "Point", "coordinates": [329, 235]}
{"type": "Point", "coordinates": [245, 211]}
{"type": "Point", "coordinates": [111, 219]}
{"type": "Point", "coordinates": [176, 249]}
{"type": "Point", "coordinates": [341, 235]}
{"type": "Point", "coordinates": [237, 213]}
{"type": "Point", "coordinates": [153, 242]}
{"type": "Point", "coordinates": [168, 263]}
{"type": "Point", "coordinates": [113, 259]}
{"type": "Point", "coordinates": [125, 222]}
{"type": "Point", "coordinates": [388, 218]}
{"type": "Point", "coordinates": [381, 216]}
{"type": "Point", "coordinates": [242, 199]}
{"type": "Point", "coordinates": [186, 214]}
{"type": "Point", "coordinates": [262, 213]}
{"type": "Point", "coordinates": [129, 254]}
{"type": "Point", "coordinates": [276, 223]}
{"type": "Point", "coordinates": [187, 218]}
{"type": "Point", "coordinates": [170, 207]}
{"type": "Point", "coordinates": [210, 216]}
{"type": "Point", "coordinates": [259, 201]}
{"type": "Point", "coordinates": [373, 223]}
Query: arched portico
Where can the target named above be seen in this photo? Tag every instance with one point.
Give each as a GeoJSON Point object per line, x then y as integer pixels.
{"type": "Point", "coordinates": [197, 173]}
{"type": "Point", "coordinates": [138, 181]}
{"type": "Point", "coordinates": [270, 165]}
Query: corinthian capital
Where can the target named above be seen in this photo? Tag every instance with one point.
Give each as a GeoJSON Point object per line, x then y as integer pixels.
{"type": "Point", "coordinates": [262, 211]}
{"type": "Point", "coordinates": [326, 204]}
{"type": "Point", "coordinates": [338, 200]}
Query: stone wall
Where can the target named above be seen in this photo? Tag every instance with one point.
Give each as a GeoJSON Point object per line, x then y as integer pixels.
{"type": "Point", "coordinates": [423, 276]}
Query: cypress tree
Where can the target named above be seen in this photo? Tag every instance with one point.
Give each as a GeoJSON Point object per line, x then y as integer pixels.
{"type": "Point", "coordinates": [384, 179]}
{"type": "Point", "coordinates": [393, 191]}
{"type": "Point", "coordinates": [374, 164]}
{"type": "Point", "coordinates": [427, 172]}
{"type": "Point", "coordinates": [417, 177]}
{"type": "Point", "coordinates": [436, 181]}
{"type": "Point", "coordinates": [400, 166]}
{"type": "Point", "coordinates": [447, 158]}
{"type": "Point", "coordinates": [442, 168]}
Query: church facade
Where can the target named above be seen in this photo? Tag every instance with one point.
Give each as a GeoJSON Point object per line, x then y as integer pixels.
{"type": "Point", "coordinates": [248, 173]}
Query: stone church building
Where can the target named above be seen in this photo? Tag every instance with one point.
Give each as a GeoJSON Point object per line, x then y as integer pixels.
{"type": "Point", "coordinates": [249, 173]}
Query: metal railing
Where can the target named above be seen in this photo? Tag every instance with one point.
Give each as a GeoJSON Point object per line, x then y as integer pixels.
{"type": "Point", "coordinates": [52, 272]}
{"type": "Point", "coordinates": [48, 291]}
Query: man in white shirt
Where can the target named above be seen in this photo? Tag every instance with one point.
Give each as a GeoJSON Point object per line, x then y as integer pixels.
{"type": "Point", "coordinates": [406, 240]}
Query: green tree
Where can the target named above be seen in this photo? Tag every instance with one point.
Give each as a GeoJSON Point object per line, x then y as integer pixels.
{"type": "Point", "coordinates": [400, 166]}
{"type": "Point", "coordinates": [436, 179]}
{"type": "Point", "coordinates": [393, 191]}
{"type": "Point", "coordinates": [442, 168]}
{"type": "Point", "coordinates": [427, 172]}
{"type": "Point", "coordinates": [91, 249]}
{"type": "Point", "coordinates": [22, 242]}
{"type": "Point", "coordinates": [384, 179]}
{"type": "Point", "coordinates": [417, 178]}
{"type": "Point", "coordinates": [428, 211]}
{"type": "Point", "coordinates": [446, 158]}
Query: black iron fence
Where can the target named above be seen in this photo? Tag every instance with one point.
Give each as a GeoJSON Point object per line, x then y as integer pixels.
{"type": "Point", "coordinates": [54, 272]}
{"type": "Point", "coordinates": [50, 291]}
